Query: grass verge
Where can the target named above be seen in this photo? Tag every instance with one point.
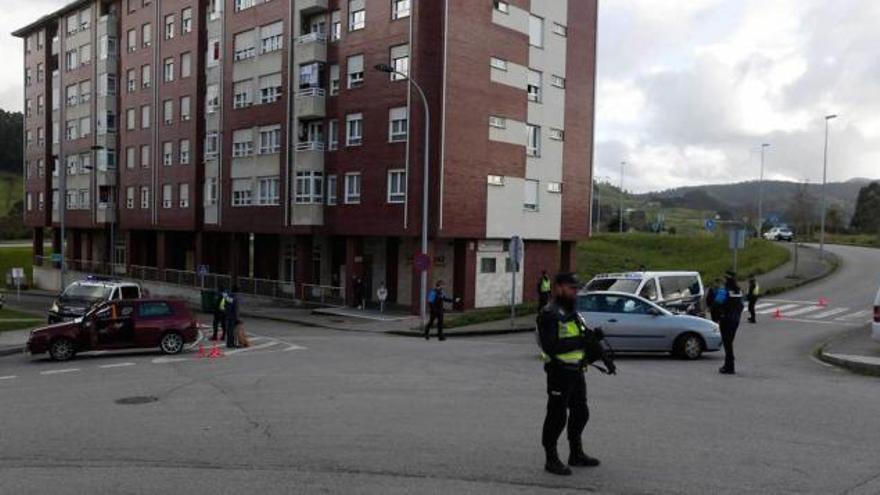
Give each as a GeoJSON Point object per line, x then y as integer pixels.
{"type": "Point", "coordinates": [477, 316]}
{"type": "Point", "coordinates": [15, 256]}
{"type": "Point", "coordinates": [20, 319]}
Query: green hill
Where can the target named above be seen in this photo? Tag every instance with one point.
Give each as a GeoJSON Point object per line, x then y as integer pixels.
{"type": "Point", "coordinates": [10, 192]}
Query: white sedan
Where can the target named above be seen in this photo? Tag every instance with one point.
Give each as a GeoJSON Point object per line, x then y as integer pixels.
{"type": "Point", "coordinates": [634, 324]}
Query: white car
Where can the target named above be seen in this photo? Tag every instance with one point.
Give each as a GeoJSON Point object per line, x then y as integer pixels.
{"type": "Point", "coordinates": [875, 326]}
{"type": "Point", "coordinates": [779, 234]}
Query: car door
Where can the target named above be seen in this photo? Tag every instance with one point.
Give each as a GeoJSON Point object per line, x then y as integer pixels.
{"type": "Point", "coordinates": [151, 321]}
{"type": "Point", "coordinates": [638, 326]}
{"type": "Point", "coordinates": [605, 311]}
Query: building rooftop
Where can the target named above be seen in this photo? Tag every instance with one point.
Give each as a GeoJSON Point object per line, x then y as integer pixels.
{"type": "Point", "coordinates": [26, 30]}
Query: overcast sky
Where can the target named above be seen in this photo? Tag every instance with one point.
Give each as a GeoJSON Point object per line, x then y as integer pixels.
{"type": "Point", "coordinates": [689, 89]}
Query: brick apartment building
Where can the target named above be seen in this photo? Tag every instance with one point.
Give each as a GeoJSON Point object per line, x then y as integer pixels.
{"type": "Point", "coordinates": [255, 137]}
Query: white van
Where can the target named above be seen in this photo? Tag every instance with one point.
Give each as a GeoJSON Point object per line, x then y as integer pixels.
{"type": "Point", "coordinates": [679, 292]}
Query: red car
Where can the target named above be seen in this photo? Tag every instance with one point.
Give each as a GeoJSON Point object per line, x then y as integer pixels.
{"type": "Point", "coordinates": [122, 324]}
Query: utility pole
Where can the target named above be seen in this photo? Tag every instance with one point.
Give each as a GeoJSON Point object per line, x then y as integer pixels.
{"type": "Point", "coordinates": [760, 228]}
{"type": "Point", "coordinates": [828, 118]}
{"type": "Point", "coordinates": [622, 164]}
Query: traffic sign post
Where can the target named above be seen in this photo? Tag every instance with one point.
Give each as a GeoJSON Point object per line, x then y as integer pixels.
{"type": "Point", "coordinates": [736, 242]}
{"type": "Point", "coordinates": [516, 256]}
{"type": "Point", "coordinates": [17, 277]}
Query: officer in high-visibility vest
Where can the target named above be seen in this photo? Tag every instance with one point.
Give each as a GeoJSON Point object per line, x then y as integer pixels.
{"type": "Point", "coordinates": [568, 347]}
{"type": "Point", "coordinates": [544, 288]}
{"type": "Point", "coordinates": [752, 297]}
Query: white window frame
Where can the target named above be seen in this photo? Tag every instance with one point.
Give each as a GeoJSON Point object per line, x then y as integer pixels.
{"type": "Point", "coordinates": [397, 186]}
{"type": "Point", "coordinates": [354, 122]}
{"type": "Point", "coordinates": [352, 179]}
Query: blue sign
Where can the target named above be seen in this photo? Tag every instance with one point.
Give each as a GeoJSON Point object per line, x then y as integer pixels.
{"type": "Point", "coordinates": [710, 225]}
{"type": "Point", "coordinates": [56, 257]}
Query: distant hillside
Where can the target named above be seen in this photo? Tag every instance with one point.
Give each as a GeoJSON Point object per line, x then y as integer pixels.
{"type": "Point", "coordinates": [10, 142]}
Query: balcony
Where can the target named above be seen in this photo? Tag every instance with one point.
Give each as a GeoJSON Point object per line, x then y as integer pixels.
{"type": "Point", "coordinates": [105, 177]}
{"type": "Point", "coordinates": [309, 7]}
{"type": "Point", "coordinates": [311, 47]}
{"type": "Point", "coordinates": [105, 213]}
{"type": "Point", "coordinates": [310, 104]}
{"type": "Point", "coordinates": [310, 155]}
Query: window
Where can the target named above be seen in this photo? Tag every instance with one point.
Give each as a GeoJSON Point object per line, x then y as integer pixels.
{"type": "Point", "coordinates": [241, 94]}
{"type": "Point", "coordinates": [85, 54]}
{"type": "Point", "coordinates": [331, 190]}
{"type": "Point", "coordinates": [30, 202]}
{"type": "Point", "coordinates": [85, 126]}
{"type": "Point", "coordinates": [267, 191]}
{"type": "Point", "coordinates": [146, 76]}
{"type": "Point", "coordinates": [167, 153]}
{"type": "Point", "coordinates": [185, 65]}
{"type": "Point", "coordinates": [533, 146]}
{"type": "Point", "coordinates": [107, 85]}
{"type": "Point", "coordinates": [397, 125]}
{"type": "Point", "coordinates": [534, 86]}
{"type": "Point", "coordinates": [132, 40]}
{"type": "Point", "coordinates": [333, 135]}
{"type": "Point", "coordinates": [130, 119]}
{"type": "Point", "coordinates": [183, 150]}
{"type": "Point", "coordinates": [145, 156]}
{"type": "Point", "coordinates": [557, 134]}
{"type": "Point", "coordinates": [168, 112]}
{"type": "Point", "coordinates": [554, 187]}
{"type": "Point", "coordinates": [147, 34]}
{"type": "Point", "coordinates": [186, 20]}
{"type": "Point", "coordinates": [106, 47]}
{"type": "Point", "coordinates": [396, 186]}
{"type": "Point", "coordinates": [530, 195]}
{"type": "Point", "coordinates": [72, 196]}
{"type": "Point", "coordinates": [145, 197]}
{"type": "Point", "coordinates": [241, 192]}
{"type": "Point", "coordinates": [72, 24]}
{"type": "Point", "coordinates": [85, 91]}
{"type": "Point", "coordinates": [400, 62]}
{"type": "Point", "coordinates": [400, 9]}
{"type": "Point", "coordinates": [271, 37]}
{"type": "Point", "coordinates": [334, 79]}
{"type": "Point", "coordinates": [131, 80]}
{"type": "Point", "coordinates": [536, 31]}
{"type": "Point", "coordinates": [211, 145]}
{"type": "Point", "coordinates": [214, 53]}
{"type": "Point", "coordinates": [85, 18]}
{"type": "Point", "coordinates": [72, 92]}
{"type": "Point", "coordinates": [210, 191]}
{"type": "Point", "coordinates": [130, 157]}
{"type": "Point", "coordinates": [185, 111]}
{"type": "Point", "coordinates": [488, 265]}
{"type": "Point", "coordinates": [183, 195]}
{"type": "Point", "coordinates": [495, 180]}
{"type": "Point", "coordinates": [72, 164]}
{"type": "Point", "coordinates": [270, 88]}
{"type": "Point", "coordinates": [244, 45]}
{"type": "Point", "coordinates": [270, 139]}
{"type": "Point", "coordinates": [357, 15]}
{"type": "Point", "coordinates": [560, 29]}
{"type": "Point", "coordinates": [71, 130]}
{"type": "Point", "coordinates": [166, 196]}
{"type": "Point", "coordinates": [168, 69]}
{"type": "Point", "coordinates": [497, 122]}
{"type": "Point", "coordinates": [502, 7]}
{"type": "Point", "coordinates": [242, 143]}
{"type": "Point", "coordinates": [169, 26]}
{"type": "Point", "coordinates": [557, 81]}
{"type": "Point", "coordinates": [498, 63]}
{"type": "Point", "coordinates": [355, 67]}
{"type": "Point", "coordinates": [352, 188]}
{"type": "Point", "coordinates": [154, 309]}
{"type": "Point", "coordinates": [309, 187]}
{"type": "Point", "coordinates": [354, 125]}
{"type": "Point", "coordinates": [129, 197]}
{"type": "Point", "coordinates": [85, 163]}
{"type": "Point", "coordinates": [41, 72]}
{"type": "Point", "coordinates": [212, 98]}
{"type": "Point", "coordinates": [71, 59]}
{"type": "Point", "coordinates": [335, 25]}
{"type": "Point", "coordinates": [40, 201]}
{"type": "Point", "coordinates": [244, 4]}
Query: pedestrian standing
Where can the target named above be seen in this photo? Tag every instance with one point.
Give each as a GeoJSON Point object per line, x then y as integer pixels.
{"type": "Point", "coordinates": [358, 287]}
{"type": "Point", "coordinates": [752, 298]}
{"type": "Point", "coordinates": [220, 315]}
{"type": "Point", "coordinates": [711, 296]}
{"type": "Point", "coordinates": [382, 296]}
{"type": "Point", "coordinates": [731, 314]}
{"type": "Point", "coordinates": [544, 287]}
{"type": "Point", "coordinates": [436, 299]}
{"type": "Point", "coordinates": [231, 313]}
{"type": "Point", "coordinates": [567, 346]}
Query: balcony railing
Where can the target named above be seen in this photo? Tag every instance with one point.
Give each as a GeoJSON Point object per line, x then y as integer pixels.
{"type": "Point", "coordinates": [313, 92]}
{"type": "Point", "coordinates": [311, 146]}
{"type": "Point", "coordinates": [316, 37]}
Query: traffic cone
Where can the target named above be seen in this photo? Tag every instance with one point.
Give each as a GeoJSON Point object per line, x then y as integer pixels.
{"type": "Point", "coordinates": [215, 352]}
{"type": "Point", "coordinates": [202, 354]}
{"type": "Point", "coordinates": [823, 302]}
{"type": "Point", "coordinates": [777, 315]}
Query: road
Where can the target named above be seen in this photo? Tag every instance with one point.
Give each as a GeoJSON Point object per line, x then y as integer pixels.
{"type": "Point", "coordinates": [316, 411]}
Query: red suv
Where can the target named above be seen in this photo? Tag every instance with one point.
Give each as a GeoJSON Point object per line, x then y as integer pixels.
{"type": "Point", "coordinates": [115, 325]}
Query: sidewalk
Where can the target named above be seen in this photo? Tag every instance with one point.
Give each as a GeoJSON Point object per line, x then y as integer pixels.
{"type": "Point", "coordinates": [13, 341]}
{"type": "Point", "coordinates": [810, 269]}
{"type": "Point", "coordinates": [853, 350]}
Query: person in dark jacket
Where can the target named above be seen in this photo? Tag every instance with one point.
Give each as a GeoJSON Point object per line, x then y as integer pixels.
{"type": "Point", "coordinates": [359, 290]}
{"type": "Point", "coordinates": [436, 298]}
{"type": "Point", "coordinates": [714, 309]}
{"type": "Point", "coordinates": [220, 315]}
{"type": "Point", "coordinates": [567, 347]}
{"type": "Point", "coordinates": [231, 316]}
{"type": "Point", "coordinates": [731, 314]}
{"type": "Point", "coordinates": [544, 289]}
{"type": "Point", "coordinates": [752, 298]}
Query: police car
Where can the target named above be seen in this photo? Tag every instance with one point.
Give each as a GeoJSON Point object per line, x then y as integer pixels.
{"type": "Point", "coordinates": [679, 292]}
{"type": "Point", "coordinates": [82, 295]}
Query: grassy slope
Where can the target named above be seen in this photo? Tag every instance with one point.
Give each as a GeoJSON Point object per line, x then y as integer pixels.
{"type": "Point", "coordinates": [9, 195]}
{"type": "Point", "coordinates": [7, 314]}
{"type": "Point", "coordinates": [14, 257]}
{"type": "Point", "coordinates": [708, 255]}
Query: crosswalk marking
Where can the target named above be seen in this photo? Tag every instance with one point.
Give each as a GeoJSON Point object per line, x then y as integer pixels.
{"type": "Point", "coordinates": [763, 305]}
{"type": "Point", "coordinates": [8, 377]}
{"type": "Point", "coordinates": [252, 348]}
{"type": "Point", "coordinates": [829, 313]}
{"type": "Point", "coordinates": [57, 372]}
{"type": "Point", "coordinates": [116, 365]}
{"type": "Point", "coordinates": [781, 308]}
{"type": "Point", "coordinates": [853, 316]}
{"type": "Point", "coordinates": [803, 311]}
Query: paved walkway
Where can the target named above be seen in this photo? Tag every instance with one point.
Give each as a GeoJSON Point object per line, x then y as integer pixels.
{"type": "Point", "coordinates": [810, 267]}
{"type": "Point", "coordinates": [854, 350]}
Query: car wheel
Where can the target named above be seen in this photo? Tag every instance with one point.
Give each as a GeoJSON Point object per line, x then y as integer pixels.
{"type": "Point", "coordinates": [62, 349]}
{"type": "Point", "coordinates": [688, 346]}
{"type": "Point", "coordinates": [171, 343]}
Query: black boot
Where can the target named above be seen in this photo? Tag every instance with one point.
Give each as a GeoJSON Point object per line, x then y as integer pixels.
{"type": "Point", "coordinates": [725, 370]}
{"type": "Point", "coordinates": [577, 457]}
{"type": "Point", "coordinates": [555, 466]}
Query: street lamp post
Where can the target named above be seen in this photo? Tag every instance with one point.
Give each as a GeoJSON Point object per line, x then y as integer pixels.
{"type": "Point", "coordinates": [761, 193]}
{"type": "Point", "coordinates": [423, 288]}
{"type": "Point", "coordinates": [828, 118]}
{"type": "Point", "coordinates": [62, 208]}
{"type": "Point", "coordinates": [622, 164]}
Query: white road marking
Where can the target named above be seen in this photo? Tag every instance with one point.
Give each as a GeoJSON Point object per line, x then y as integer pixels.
{"type": "Point", "coordinates": [786, 301]}
{"type": "Point", "coordinates": [56, 372]}
{"type": "Point", "coordinates": [852, 316]}
{"type": "Point", "coordinates": [294, 347]}
{"type": "Point", "coordinates": [830, 312]}
{"type": "Point", "coordinates": [165, 360]}
{"type": "Point", "coordinates": [782, 308]}
{"type": "Point", "coordinates": [763, 305]}
{"type": "Point", "coordinates": [116, 365]}
{"type": "Point", "coordinates": [803, 311]}
{"type": "Point", "coordinates": [252, 348]}
{"type": "Point", "coordinates": [8, 377]}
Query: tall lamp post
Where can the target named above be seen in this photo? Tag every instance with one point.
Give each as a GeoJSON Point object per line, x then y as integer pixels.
{"type": "Point", "coordinates": [828, 119]}
{"type": "Point", "coordinates": [423, 287]}
{"type": "Point", "coordinates": [622, 164]}
{"type": "Point", "coordinates": [761, 193]}
{"type": "Point", "coordinates": [62, 208]}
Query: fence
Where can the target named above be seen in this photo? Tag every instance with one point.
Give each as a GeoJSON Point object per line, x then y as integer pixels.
{"type": "Point", "coordinates": [276, 289]}
{"type": "Point", "coordinates": [323, 294]}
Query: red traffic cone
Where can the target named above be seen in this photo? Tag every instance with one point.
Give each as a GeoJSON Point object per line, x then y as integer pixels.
{"type": "Point", "coordinates": [202, 353]}
{"type": "Point", "coordinates": [215, 352]}
{"type": "Point", "coordinates": [823, 302]}
{"type": "Point", "coordinates": [777, 315]}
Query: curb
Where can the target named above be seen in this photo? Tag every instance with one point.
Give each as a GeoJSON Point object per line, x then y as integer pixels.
{"type": "Point", "coordinates": [834, 266]}
{"type": "Point", "coordinates": [11, 351]}
{"type": "Point", "coordinates": [476, 333]}
{"type": "Point", "coordinates": [852, 366]}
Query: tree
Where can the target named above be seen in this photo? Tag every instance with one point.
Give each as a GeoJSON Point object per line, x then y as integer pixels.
{"type": "Point", "coordinates": [801, 210]}
{"type": "Point", "coordinates": [834, 220]}
{"type": "Point", "coordinates": [866, 218]}
{"type": "Point", "coordinates": [11, 152]}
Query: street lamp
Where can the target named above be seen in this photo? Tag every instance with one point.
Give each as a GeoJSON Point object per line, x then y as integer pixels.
{"type": "Point", "coordinates": [622, 164]}
{"type": "Point", "coordinates": [761, 192]}
{"type": "Point", "coordinates": [423, 289]}
{"type": "Point", "coordinates": [828, 119]}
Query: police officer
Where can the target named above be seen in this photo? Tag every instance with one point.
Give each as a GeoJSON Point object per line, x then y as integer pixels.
{"type": "Point", "coordinates": [231, 317]}
{"type": "Point", "coordinates": [752, 297]}
{"type": "Point", "coordinates": [568, 346]}
{"type": "Point", "coordinates": [544, 288]}
{"type": "Point", "coordinates": [731, 314]}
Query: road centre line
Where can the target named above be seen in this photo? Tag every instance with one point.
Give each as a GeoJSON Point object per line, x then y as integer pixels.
{"type": "Point", "coordinates": [116, 365]}
{"type": "Point", "coordinates": [8, 377]}
{"type": "Point", "coordinates": [57, 372]}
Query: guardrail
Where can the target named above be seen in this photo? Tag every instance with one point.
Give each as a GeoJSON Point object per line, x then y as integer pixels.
{"type": "Point", "coordinates": [323, 294]}
{"type": "Point", "coordinates": [311, 93]}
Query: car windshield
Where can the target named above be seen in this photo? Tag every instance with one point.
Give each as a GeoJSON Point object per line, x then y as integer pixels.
{"type": "Point", "coordinates": [80, 291]}
{"type": "Point", "coordinates": [628, 285]}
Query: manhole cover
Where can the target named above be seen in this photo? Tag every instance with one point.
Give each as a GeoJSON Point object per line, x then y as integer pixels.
{"type": "Point", "coordinates": [130, 401]}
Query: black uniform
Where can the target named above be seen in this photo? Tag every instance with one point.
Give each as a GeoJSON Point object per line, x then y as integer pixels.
{"type": "Point", "coordinates": [566, 387]}
{"type": "Point", "coordinates": [231, 318]}
{"type": "Point", "coordinates": [714, 309]}
{"type": "Point", "coordinates": [752, 298]}
{"type": "Point", "coordinates": [731, 314]}
{"type": "Point", "coordinates": [219, 317]}
{"type": "Point", "coordinates": [437, 311]}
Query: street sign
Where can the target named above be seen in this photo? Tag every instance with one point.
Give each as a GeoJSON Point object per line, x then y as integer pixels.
{"type": "Point", "coordinates": [516, 250]}
{"type": "Point", "coordinates": [516, 257]}
{"type": "Point", "coordinates": [422, 262]}
{"type": "Point", "coordinates": [737, 239]}
{"type": "Point", "coordinates": [56, 257]}
{"type": "Point", "coordinates": [18, 273]}
{"type": "Point", "coordinates": [710, 225]}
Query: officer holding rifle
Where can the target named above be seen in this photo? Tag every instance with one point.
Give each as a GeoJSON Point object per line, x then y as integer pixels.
{"type": "Point", "coordinates": [568, 348]}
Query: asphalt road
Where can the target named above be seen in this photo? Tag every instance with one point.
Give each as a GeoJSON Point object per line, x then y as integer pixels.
{"type": "Point", "coordinates": [317, 411]}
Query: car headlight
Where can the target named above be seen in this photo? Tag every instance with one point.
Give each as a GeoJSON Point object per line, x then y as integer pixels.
{"type": "Point", "coordinates": [54, 307]}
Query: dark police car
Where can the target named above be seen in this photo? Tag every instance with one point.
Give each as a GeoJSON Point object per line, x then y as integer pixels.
{"type": "Point", "coordinates": [82, 295]}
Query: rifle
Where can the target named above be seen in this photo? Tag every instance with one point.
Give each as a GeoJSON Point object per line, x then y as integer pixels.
{"type": "Point", "coordinates": [596, 347]}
